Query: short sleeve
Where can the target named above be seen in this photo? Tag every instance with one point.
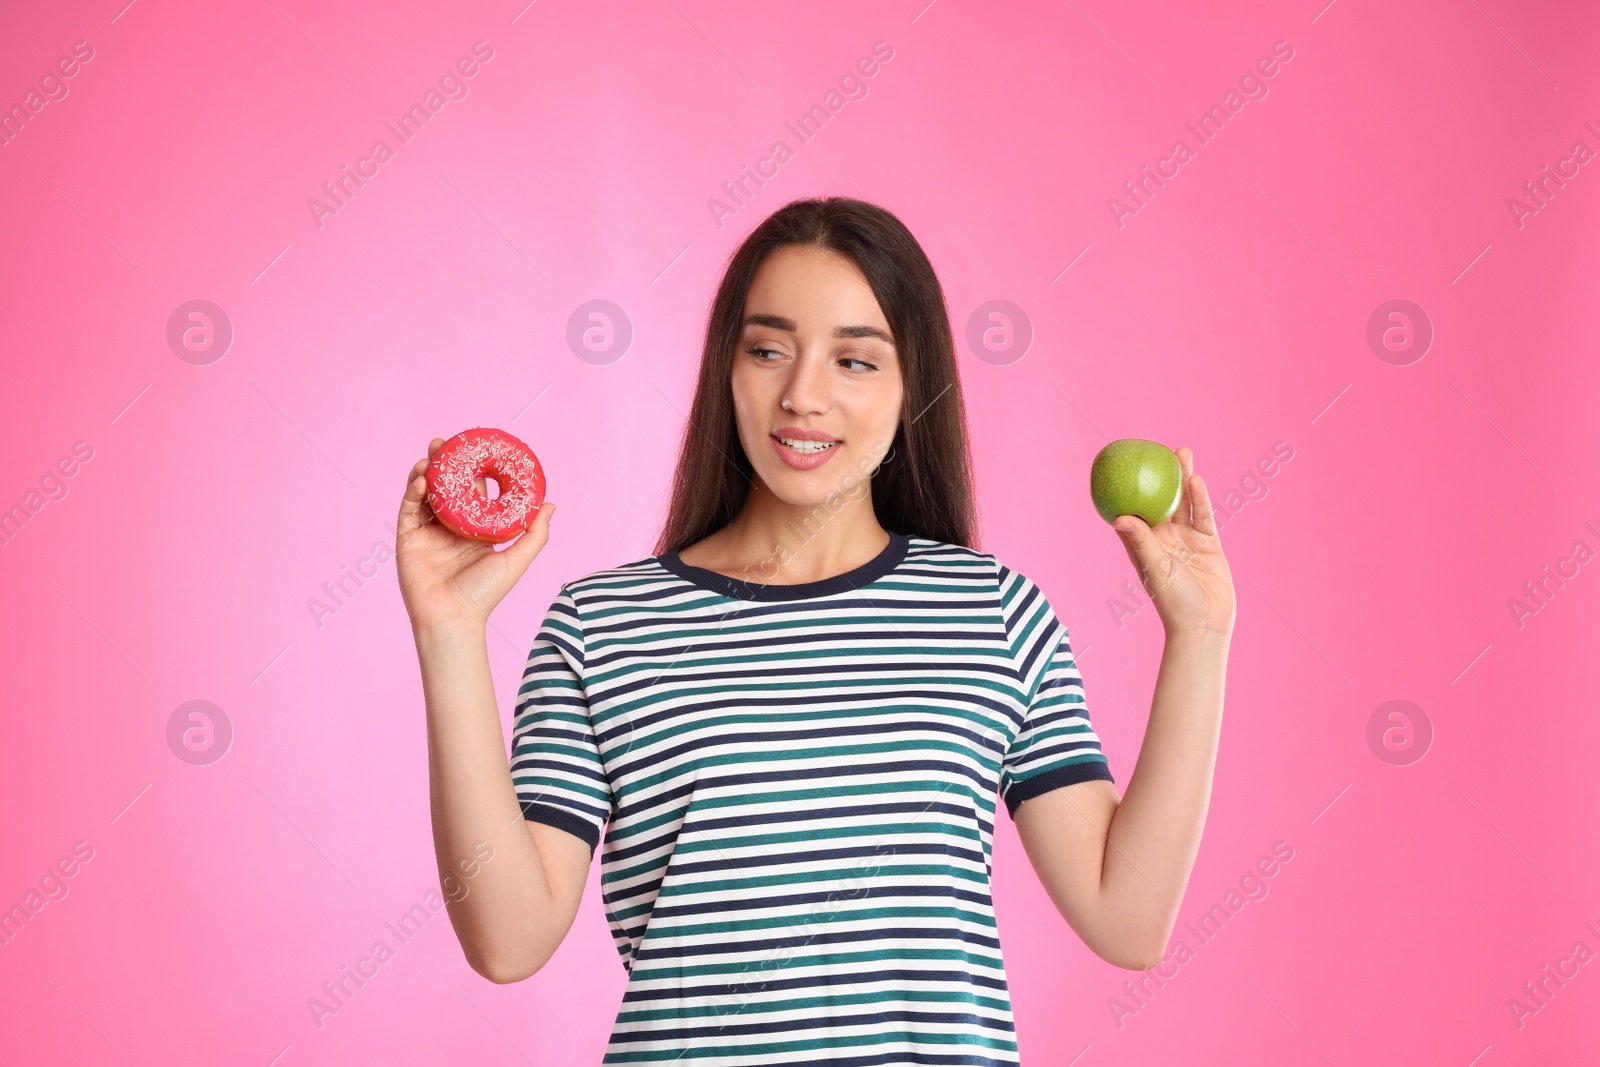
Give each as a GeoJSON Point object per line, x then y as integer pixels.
{"type": "Point", "coordinates": [1056, 745]}
{"type": "Point", "coordinates": [556, 765]}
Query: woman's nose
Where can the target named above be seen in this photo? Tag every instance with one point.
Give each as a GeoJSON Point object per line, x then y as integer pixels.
{"type": "Point", "coordinates": [806, 391]}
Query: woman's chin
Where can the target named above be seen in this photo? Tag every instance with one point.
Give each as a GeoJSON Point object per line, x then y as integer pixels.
{"type": "Point", "coordinates": [803, 489]}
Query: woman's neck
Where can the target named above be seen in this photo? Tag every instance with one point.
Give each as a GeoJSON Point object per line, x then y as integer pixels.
{"type": "Point", "coordinates": [774, 542]}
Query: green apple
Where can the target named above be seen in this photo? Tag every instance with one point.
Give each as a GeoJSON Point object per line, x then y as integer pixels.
{"type": "Point", "coordinates": [1136, 477]}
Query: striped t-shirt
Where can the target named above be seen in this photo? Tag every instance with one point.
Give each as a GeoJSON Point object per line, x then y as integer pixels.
{"type": "Point", "coordinates": [797, 785]}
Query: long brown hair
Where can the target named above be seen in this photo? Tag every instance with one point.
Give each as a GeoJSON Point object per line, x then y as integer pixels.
{"type": "Point", "coordinates": [924, 484]}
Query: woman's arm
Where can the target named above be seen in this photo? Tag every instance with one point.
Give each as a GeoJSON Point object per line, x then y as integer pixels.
{"type": "Point", "coordinates": [525, 879]}
{"type": "Point", "coordinates": [519, 905]}
{"type": "Point", "coordinates": [1117, 871]}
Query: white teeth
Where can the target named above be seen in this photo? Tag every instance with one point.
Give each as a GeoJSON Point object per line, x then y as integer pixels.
{"type": "Point", "coordinates": [808, 446]}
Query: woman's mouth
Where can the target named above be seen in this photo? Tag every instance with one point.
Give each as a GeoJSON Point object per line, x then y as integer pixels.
{"type": "Point", "coordinates": [805, 452]}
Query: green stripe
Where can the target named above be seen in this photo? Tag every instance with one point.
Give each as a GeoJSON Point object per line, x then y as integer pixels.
{"type": "Point", "coordinates": [705, 1011]}
{"type": "Point", "coordinates": [969, 954]}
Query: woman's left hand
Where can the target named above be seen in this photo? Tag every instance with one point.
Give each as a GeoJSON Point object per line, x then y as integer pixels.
{"type": "Point", "coordinates": [1180, 563]}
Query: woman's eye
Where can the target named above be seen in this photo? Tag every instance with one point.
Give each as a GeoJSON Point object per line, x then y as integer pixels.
{"type": "Point", "coordinates": [756, 351]}
{"type": "Point", "coordinates": [862, 362]}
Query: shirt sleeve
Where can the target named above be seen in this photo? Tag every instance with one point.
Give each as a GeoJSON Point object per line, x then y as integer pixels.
{"type": "Point", "coordinates": [1055, 745]}
{"type": "Point", "coordinates": [556, 766]}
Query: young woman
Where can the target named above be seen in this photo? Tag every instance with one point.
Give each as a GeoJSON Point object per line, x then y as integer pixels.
{"type": "Point", "coordinates": [793, 722]}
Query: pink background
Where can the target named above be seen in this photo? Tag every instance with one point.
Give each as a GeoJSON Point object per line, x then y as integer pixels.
{"type": "Point", "coordinates": [1228, 314]}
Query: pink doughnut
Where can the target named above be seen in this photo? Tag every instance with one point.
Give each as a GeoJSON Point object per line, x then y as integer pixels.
{"type": "Point", "coordinates": [485, 453]}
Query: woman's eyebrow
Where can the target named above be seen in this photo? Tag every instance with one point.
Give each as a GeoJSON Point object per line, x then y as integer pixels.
{"type": "Point", "coordinates": [778, 322]}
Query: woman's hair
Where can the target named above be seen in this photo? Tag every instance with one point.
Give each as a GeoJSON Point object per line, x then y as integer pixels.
{"type": "Point", "coordinates": [924, 485]}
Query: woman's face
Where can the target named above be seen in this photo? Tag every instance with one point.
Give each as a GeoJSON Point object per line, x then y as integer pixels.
{"type": "Point", "coordinates": [815, 359]}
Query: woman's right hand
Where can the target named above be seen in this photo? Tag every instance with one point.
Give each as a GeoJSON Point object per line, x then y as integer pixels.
{"type": "Point", "coordinates": [447, 580]}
